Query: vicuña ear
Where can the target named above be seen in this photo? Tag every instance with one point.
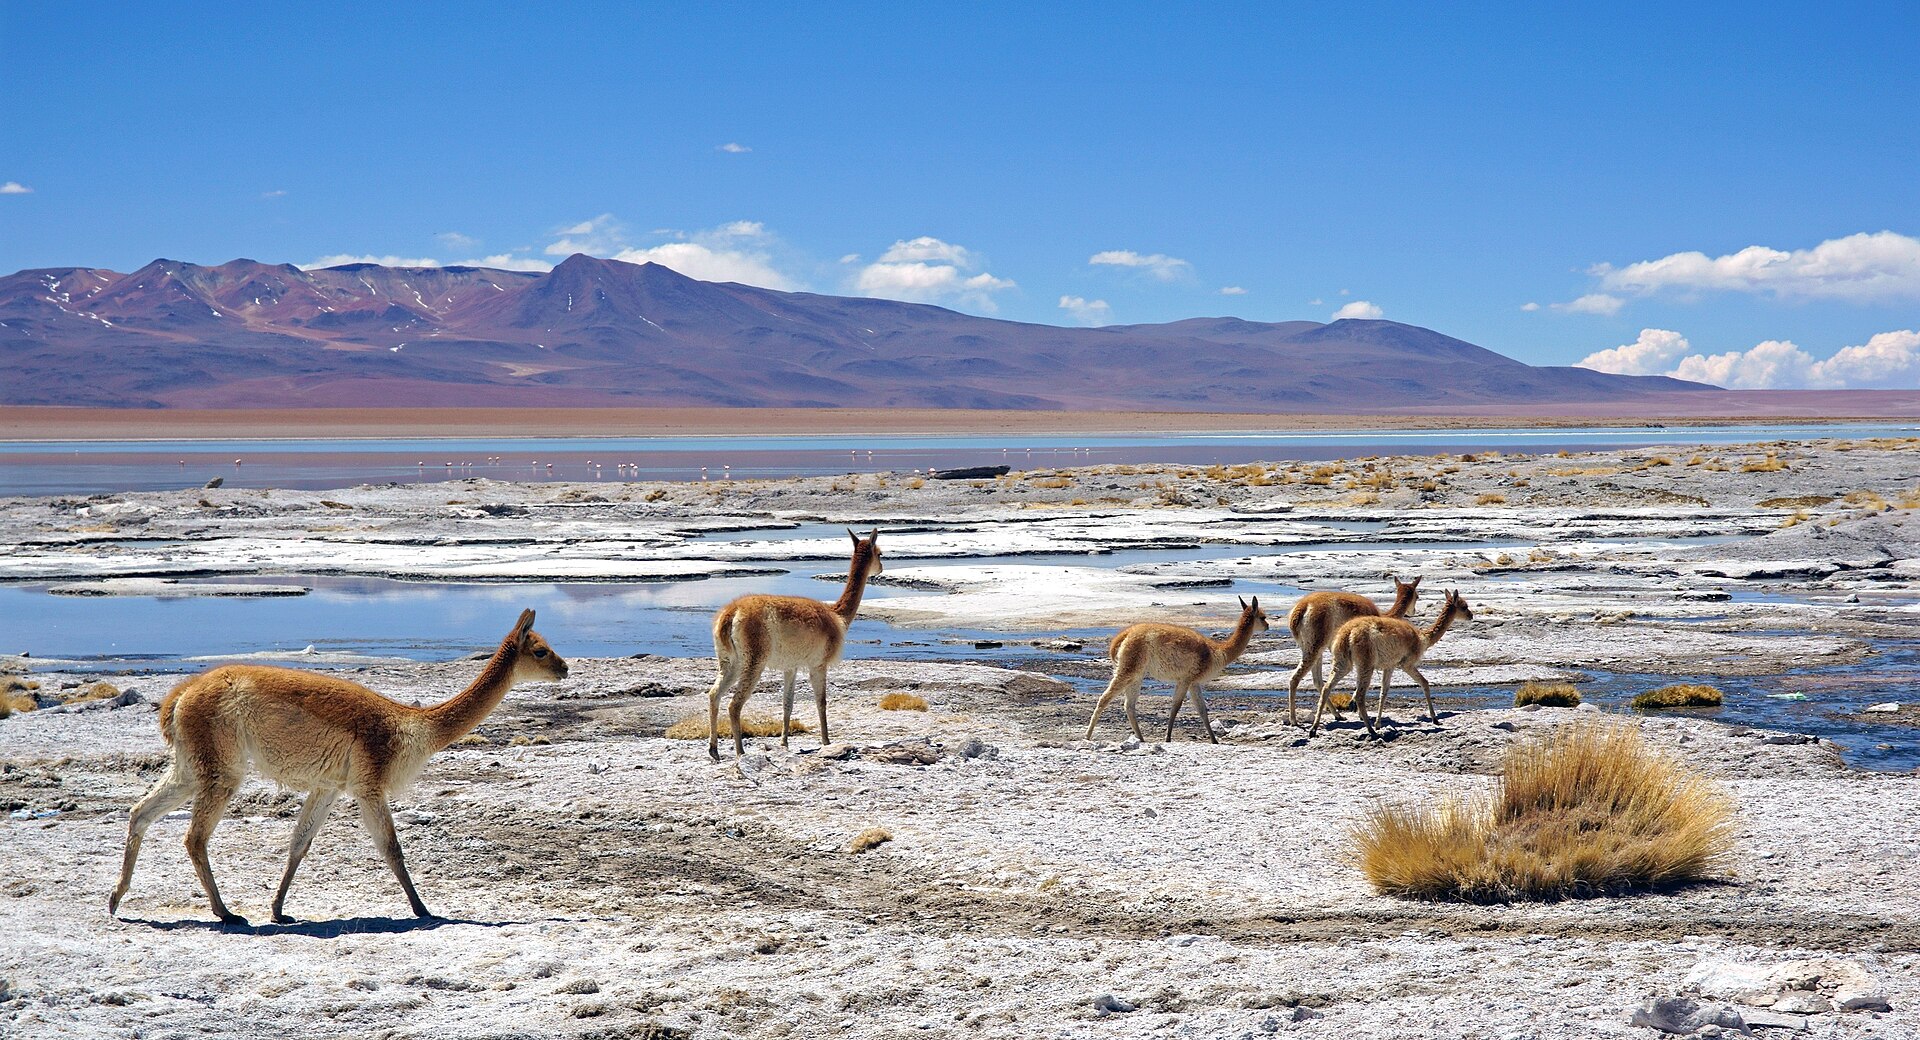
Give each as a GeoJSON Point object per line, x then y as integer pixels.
{"type": "Point", "coordinates": [855, 537]}
{"type": "Point", "coordinates": [524, 625]}
{"type": "Point", "coordinates": [1256, 603]}
{"type": "Point", "coordinates": [1243, 602]}
{"type": "Point", "coordinates": [873, 535]}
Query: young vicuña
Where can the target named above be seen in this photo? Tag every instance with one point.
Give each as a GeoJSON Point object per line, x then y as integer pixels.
{"type": "Point", "coordinates": [1177, 655]}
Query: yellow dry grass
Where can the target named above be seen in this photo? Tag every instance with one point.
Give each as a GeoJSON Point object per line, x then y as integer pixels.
{"type": "Point", "coordinates": [1800, 516]}
{"type": "Point", "coordinates": [694, 727]}
{"type": "Point", "coordinates": [1795, 501]}
{"type": "Point", "coordinates": [1547, 695]}
{"type": "Point", "coordinates": [902, 702]}
{"type": "Point", "coordinates": [1771, 464]}
{"type": "Point", "coordinates": [916, 484]}
{"type": "Point", "coordinates": [1490, 499]}
{"type": "Point", "coordinates": [11, 702]}
{"type": "Point", "coordinates": [1680, 695]}
{"type": "Point", "coordinates": [1583, 471]}
{"type": "Point", "coordinates": [1584, 811]}
{"type": "Point", "coordinates": [871, 838]}
{"type": "Point", "coordinates": [98, 691]}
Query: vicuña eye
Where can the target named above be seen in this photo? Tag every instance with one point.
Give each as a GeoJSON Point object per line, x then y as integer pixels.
{"type": "Point", "coordinates": [542, 652]}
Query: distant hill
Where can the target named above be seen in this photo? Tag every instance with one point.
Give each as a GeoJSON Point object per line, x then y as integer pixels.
{"type": "Point", "coordinates": [602, 332]}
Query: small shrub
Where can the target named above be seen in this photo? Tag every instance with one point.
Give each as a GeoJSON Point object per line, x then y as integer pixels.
{"type": "Point", "coordinates": [1795, 501]}
{"type": "Point", "coordinates": [1770, 464]}
{"type": "Point", "coordinates": [1587, 810]}
{"type": "Point", "coordinates": [98, 691]}
{"type": "Point", "coordinates": [1547, 695]}
{"type": "Point", "coordinates": [1490, 499]}
{"type": "Point", "coordinates": [916, 484]}
{"type": "Point", "coordinates": [1054, 483]}
{"type": "Point", "coordinates": [694, 727]}
{"type": "Point", "coordinates": [871, 838]}
{"type": "Point", "coordinates": [1681, 695]}
{"type": "Point", "coordinates": [902, 702]}
{"type": "Point", "coordinates": [656, 494]}
{"type": "Point", "coordinates": [1800, 516]}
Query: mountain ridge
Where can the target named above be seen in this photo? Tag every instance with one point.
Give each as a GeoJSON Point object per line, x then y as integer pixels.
{"type": "Point", "coordinates": [603, 332]}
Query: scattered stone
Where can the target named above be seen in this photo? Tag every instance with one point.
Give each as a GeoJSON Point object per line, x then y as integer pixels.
{"type": "Point", "coordinates": [1304, 1014]}
{"type": "Point", "coordinates": [918, 751]}
{"type": "Point", "coordinates": [648, 689]}
{"type": "Point", "coordinates": [1789, 738]}
{"type": "Point", "coordinates": [971, 473]}
{"type": "Point", "coordinates": [1775, 1020]}
{"type": "Point", "coordinates": [1107, 1004]}
{"type": "Point", "coordinates": [579, 987]}
{"type": "Point", "coordinates": [1889, 708]}
{"type": "Point", "coordinates": [1684, 1016]}
{"type": "Point", "coordinates": [986, 644]}
{"type": "Point", "coordinates": [215, 482]}
{"type": "Point", "coordinates": [974, 748]}
{"type": "Point", "coordinates": [836, 751]}
{"type": "Point", "coordinates": [1132, 743]}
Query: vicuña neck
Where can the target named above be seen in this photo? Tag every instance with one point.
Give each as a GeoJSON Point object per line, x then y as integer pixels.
{"type": "Point", "coordinates": [1440, 625]}
{"type": "Point", "coordinates": [1402, 602]}
{"type": "Point", "coordinates": [455, 718]}
{"type": "Point", "coordinates": [848, 604]}
{"type": "Point", "coordinates": [1236, 643]}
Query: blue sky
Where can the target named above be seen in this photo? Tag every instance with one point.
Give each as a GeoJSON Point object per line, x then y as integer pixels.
{"type": "Point", "coordinates": [1446, 169]}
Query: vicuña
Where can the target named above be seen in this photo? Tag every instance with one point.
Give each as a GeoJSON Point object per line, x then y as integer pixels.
{"type": "Point", "coordinates": [1177, 655]}
{"type": "Point", "coordinates": [314, 733]}
{"type": "Point", "coordinates": [1366, 644]}
{"type": "Point", "coordinates": [1319, 615]}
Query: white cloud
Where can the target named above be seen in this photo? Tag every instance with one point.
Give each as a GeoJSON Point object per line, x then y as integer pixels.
{"type": "Point", "coordinates": [928, 270]}
{"type": "Point", "coordinates": [734, 148]}
{"type": "Point", "coordinates": [1859, 268]}
{"type": "Point", "coordinates": [850, 258]}
{"type": "Point", "coordinates": [1529, 306]}
{"type": "Point", "coordinates": [278, 193]}
{"type": "Point", "coordinates": [712, 262]}
{"type": "Point", "coordinates": [597, 237]}
{"type": "Point", "coordinates": [1315, 302]}
{"type": "Point", "coordinates": [338, 259]}
{"type": "Point", "coordinates": [1886, 360]}
{"type": "Point", "coordinates": [457, 240]}
{"type": "Point", "coordinates": [1085, 311]}
{"type": "Point", "coordinates": [1232, 290]}
{"type": "Point", "coordinates": [1654, 353]}
{"type": "Point", "coordinates": [15, 188]}
{"type": "Point", "coordinates": [926, 248]}
{"type": "Point", "coordinates": [1358, 309]}
{"type": "Point", "coordinates": [1161, 266]}
{"type": "Point", "coordinates": [1592, 303]}
{"type": "Point", "coordinates": [505, 262]}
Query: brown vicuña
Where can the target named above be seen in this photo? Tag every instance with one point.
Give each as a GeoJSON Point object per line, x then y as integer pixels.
{"type": "Point", "coordinates": [1319, 615]}
{"type": "Point", "coordinates": [318, 734]}
{"type": "Point", "coordinates": [786, 633]}
{"type": "Point", "coordinates": [1177, 655]}
{"type": "Point", "coordinates": [1366, 644]}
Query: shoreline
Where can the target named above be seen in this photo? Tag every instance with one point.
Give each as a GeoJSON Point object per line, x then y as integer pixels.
{"type": "Point", "coordinates": [37, 423]}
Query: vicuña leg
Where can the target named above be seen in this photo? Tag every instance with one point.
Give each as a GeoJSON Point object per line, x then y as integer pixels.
{"type": "Point", "coordinates": [749, 678]}
{"type": "Point", "coordinates": [169, 794]}
{"type": "Point", "coordinates": [1200, 701]}
{"type": "Point", "coordinates": [1179, 698]}
{"type": "Point", "coordinates": [728, 676]}
{"type": "Point", "coordinates": [1122, 679]}
{"type": "Point", "coordinates": [377, 818]}
{"type": "Point", "coordinates": [1132, 700]}
{"type": "Point", "coordinates": [209, 805]}
{"type": "Point", "coordinates": [312, 814]}
{"type": "Point", "coordinates": [1309, 662]}
{"type": "Point", "coordinates": [1428, 690]}
{"type": "Point", "coordinates": [1380, 710]}
{"type": "Point", "coordinates": [786, 703]}
{"type": "Point", "coordinates": [1363, 678]}
{"type": "Point", "coordinates": [818, 677]}
{"type": "Point", "coordinates": [1326, 695]}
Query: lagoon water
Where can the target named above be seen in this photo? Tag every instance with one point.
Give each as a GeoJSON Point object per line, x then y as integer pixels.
{"type": "Point", "coordinates": [95, 467]}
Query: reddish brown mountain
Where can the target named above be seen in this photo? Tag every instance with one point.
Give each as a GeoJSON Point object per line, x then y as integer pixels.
{"type": "Point", "coordinates": [601, 332]}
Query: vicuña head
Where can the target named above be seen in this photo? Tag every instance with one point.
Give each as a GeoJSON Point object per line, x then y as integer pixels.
{"type": "Point", "coordinates": [785, 633]}
{"type": "Point", "coordinates": [1177, 655]}
{"type": "Point", "coordinates": [315, 733]}
{"type": "Point", "coordinates": [1367, 644]}
{"type": "Point", "coordinates": [1318, 615]}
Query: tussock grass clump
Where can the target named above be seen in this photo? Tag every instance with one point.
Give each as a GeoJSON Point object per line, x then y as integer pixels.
{"type": "Point", "coordinates": [1490, 499]}
{"type": "Point", "coordinates": [1770, 464]}
{"type": "Point", "coordinates": [871, 838]}
{"type": "Point", "coordinates": [1795, 501]}
{"type": "Point", "coordinates": [1585, 811]}
{"type": "Point", "coordinates": [902, 702]}
{"type": "Point", "coordinates": [694, 727]}
{"type": "Point", "coordinates": [1680, 695]}
{"type": "Point", "coordinates": [1547, 695]}
{"type": "Point", "coordinates": [98, 691]}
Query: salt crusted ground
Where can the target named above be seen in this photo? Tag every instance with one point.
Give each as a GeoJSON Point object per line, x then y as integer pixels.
{"type": "Point", "coordinates": [600, 880]}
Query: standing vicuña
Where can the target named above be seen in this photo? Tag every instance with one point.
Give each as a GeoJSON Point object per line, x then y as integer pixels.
{"type": "Point", "coordinates": [318, 734]}
{"type": "Point", "coordinates": [788, 633]}
{"type": "Point", "coordinates": [1319, 615]}
{"type": "Point", "coordinates": [1365, 644]}
{"type": "Point", "coordinates": [1177, 655]}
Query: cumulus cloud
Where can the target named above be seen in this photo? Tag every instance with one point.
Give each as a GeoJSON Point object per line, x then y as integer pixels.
{"type": "Point", "coordinates": [15, 188]}
{"type": "Point", "coordinates": [737, 251]}
{"type": "Point", "coordinates": [505, 262]}
{"type": "Point", "coordinates": [1232, 290]}
{"type": "Point", "coordinates": [1886, 360]}
{"type": "Point", "coordinates": [277, 193]}
{"type": "Point", "coordinates": [1161, 266]}
{"type": "Point", "coordinates": [1592, 303]}
{"type": "Point", "coordinates": [597, 237]}
{"type": "Point", "coordinates": [1529, 306]}
{"type": "Point", "coordinates": [734, 148]}
{"type": "Point", "coordinates": [1861, 268]}
{"type": "Point", "coordinates": [341, 259]}
{"type": "Point", "coordinates": [1654, 353]}
{"type": "Point", "coordinates": [457, 240]}
{"type": "Point", "coordinates": [928, 270]}
{"type": "Point", "coordinates": [1085, 311]}
{"type": "Point", "coordinates": [712, 262]}
{"type": "Point", "coordinates": [1358, 309]}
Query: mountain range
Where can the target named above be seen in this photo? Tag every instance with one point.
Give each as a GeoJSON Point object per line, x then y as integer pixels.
{"type": "Point", "coordinates": [602, 332]}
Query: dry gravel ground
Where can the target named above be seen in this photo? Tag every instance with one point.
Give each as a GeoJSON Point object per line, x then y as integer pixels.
{"type": "Point", "coordinates": [599, 880]}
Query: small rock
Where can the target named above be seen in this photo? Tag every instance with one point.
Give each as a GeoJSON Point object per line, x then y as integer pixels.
{"type": "Point", "coordinates": [1861, 997]}
{"type": "Point", "coordinates": [986, 644]}
{"type": "Point", "coordinates": [1509, 726]}
{"type": "Point", "coordinates": [1775, 1020]}
{"type": "Point", "coordinates": [1889, 708]}
{"type": "Point", "coordinates": [1789, 738]}
{"type": "Point", "coordinates": [975, 748]}
{"type": "Point", "coordinates": [1108, 1004]}
{"type": "Point", "coordinates": [836, 751]}
{"type": "Point", "coordinates": [1132, 743]}
{"type": "Point", "coordinates": [215, 482]}
{"type": "Point", "coordinates": [1303, 1014]}
{"type": "Point", "coordinates": [1799, 1004]}
{"type": "Point", "coordinates": [580, 987]}
{"type": "Point", "coordinates": [1685, 1016]}
{"type": "Point", "coordinates": [916, 752]}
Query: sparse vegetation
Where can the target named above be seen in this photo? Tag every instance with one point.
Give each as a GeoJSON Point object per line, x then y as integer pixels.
{"type": "Point", "coordinates": [1771, 464]}
{"type": "Point", "coordinates": [1587, 810]}
{"type": "Point", "coordinates": [903, 702]}
{"type": "Point", "coordinates": [694, 727]}
{"type": "Point", "coordinates": [1795, 501]}
{"type": "Point", "coordinates": [1490, 499]}
{"type": "Point", "coordinates": [1680, 695]}
{"type": "Point", "coordinates": [871, 838]}
{"type": "Point", "coordinates": [1547, 695]}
